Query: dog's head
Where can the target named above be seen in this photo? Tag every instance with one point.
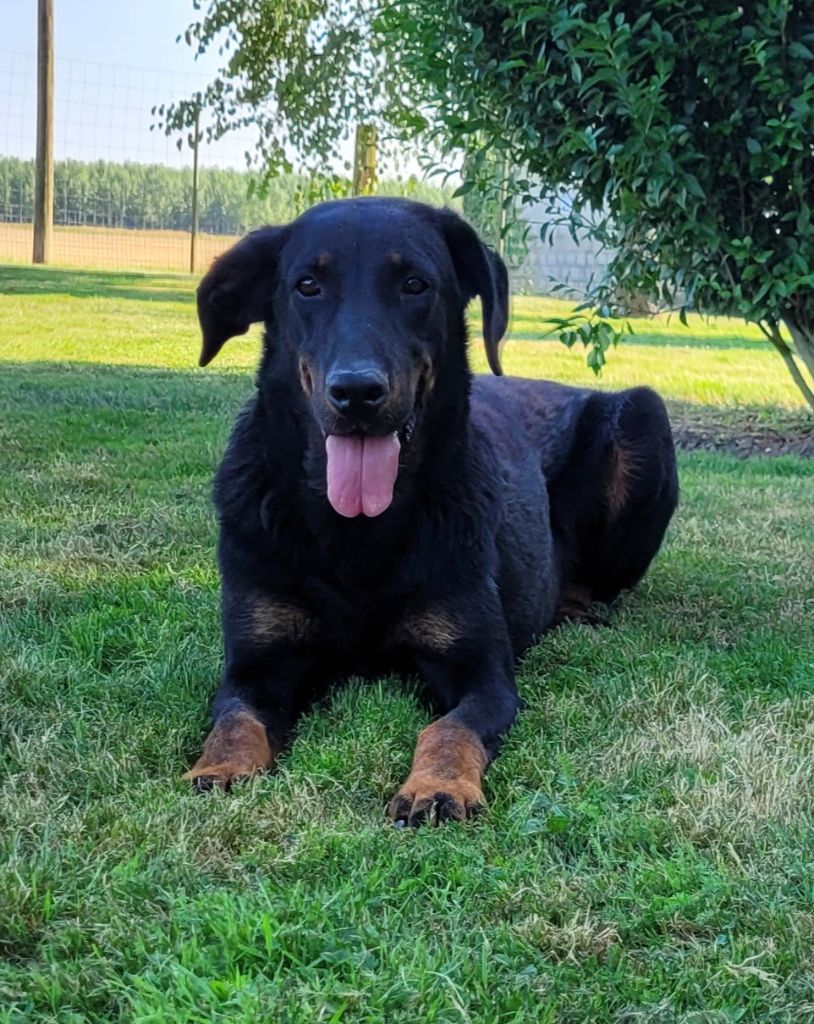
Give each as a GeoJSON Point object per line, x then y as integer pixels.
{"type": "Point", "coordinates": [365, 297]}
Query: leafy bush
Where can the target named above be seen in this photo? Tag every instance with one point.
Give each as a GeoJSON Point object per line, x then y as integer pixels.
{"type": "Point", "coordinates": [682, 128]}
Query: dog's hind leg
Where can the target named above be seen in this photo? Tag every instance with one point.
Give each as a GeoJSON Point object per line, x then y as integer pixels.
{"type": "Point", "coordinates": [576, 605]}
{"type": "Point", "coordinates": [639, 494]}
{"type": "Point", "coordinates": [618, 498]}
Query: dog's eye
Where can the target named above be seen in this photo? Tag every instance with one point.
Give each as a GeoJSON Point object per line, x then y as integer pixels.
{"type": "Point", "coordinates": [414, 286]}
{"type": "Point", "coordinates": [308, 287]}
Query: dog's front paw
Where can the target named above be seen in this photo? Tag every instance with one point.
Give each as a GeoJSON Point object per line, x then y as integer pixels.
{"type": "Point", "coordinates": [220, 776]}
{"type": "Point", "coordinates": [427, 798]}
{"type": "Point", "coordinates": [237, 748]}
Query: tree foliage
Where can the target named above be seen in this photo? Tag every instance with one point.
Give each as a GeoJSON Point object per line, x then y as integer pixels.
{"type": "Point", "coordinates": [133, 195]}
{"type": "Point", "coordinates": [300, 74]}
{"type": "Point", "coordinates": [683, 129]}
{"type": "Point", "coordinates": [680, 129]}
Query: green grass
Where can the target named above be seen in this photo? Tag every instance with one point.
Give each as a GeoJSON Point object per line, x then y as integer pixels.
{"type": "Point", "coordinates": [648, 851]}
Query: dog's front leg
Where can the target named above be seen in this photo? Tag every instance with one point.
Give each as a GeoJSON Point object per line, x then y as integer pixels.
{"type": "Point", "coordinates": [451, 755]}
{"type": "Point", "coordinates": [238, 746]}
{"type": "Point", "coordinates": [269, 677]}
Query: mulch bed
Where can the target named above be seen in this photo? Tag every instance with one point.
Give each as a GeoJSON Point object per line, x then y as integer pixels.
{"type": "Point", "coordinates": [741, 433]}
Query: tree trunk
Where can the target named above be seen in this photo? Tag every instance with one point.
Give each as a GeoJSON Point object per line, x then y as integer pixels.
{"type": "Point", "coordinates": [804, 348]}
{"type": "Point", "coordinates": [803, 343]}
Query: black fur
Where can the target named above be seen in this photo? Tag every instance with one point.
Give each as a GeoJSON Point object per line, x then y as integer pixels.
{"type": "Point", "coordinates": [509, 491]}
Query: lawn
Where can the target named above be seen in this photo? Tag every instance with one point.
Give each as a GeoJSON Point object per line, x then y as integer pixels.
{"type": "Point", "coordinates": [648, 850]}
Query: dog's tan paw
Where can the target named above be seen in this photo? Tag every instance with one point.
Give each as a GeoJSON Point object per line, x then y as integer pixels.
{"type": "Point", "coordinates": [220, 776]}
{"type": "Point", "coordinates": [237, 748]}
{"type": "Point", "coordinates": [427, 798]}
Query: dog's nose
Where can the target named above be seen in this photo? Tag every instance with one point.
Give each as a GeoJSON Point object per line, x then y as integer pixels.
{"type": "Point", "coordinates": [357, 392]}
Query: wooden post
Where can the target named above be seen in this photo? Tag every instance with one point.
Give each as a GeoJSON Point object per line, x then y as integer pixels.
{"type": "Point", "coordinates": [364, 160]}
{"type": "Point", "coordinates": [44, 187]}
{"type": "Point", "coordinates": [193, 235]}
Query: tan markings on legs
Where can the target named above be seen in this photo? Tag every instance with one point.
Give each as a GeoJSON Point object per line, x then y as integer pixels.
{"type": "Point", "coordinates": [272, 621]}
{"type": "Point", "coordinates": [237, 747]}
{"type": "Point", "coordinates": [445, 780]}
{"type": "Point", "coordinates": [621, 471]}
{"type": "Point", "coordinates": [430, 630]}
{"type": "Point", "coordinates": [575, 603]}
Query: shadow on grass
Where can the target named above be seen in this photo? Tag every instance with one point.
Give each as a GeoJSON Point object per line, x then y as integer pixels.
{"type": "Point", "coordinates": [79, 389]}
{"type": "Point", "coordinates": [151, 287]}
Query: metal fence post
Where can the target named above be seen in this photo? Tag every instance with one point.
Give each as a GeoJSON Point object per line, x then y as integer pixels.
{"type": "Point", "coordinates": [503, 192]}
{"type": "Point", "coordinates": [193, 235]}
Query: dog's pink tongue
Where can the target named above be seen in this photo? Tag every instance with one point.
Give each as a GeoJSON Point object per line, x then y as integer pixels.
{"type": "Point", "coordinates": [344, 474]}
{"type": "Point", "coordinates": [380, 466]}
{"type": "Point", "coordinates": [362, 473]}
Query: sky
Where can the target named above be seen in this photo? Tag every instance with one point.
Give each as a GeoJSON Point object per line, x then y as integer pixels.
{"type": "Point", "coordinates": [114, 59]}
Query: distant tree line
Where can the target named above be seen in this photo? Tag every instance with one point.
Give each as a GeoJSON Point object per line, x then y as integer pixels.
{"type": "Point", "coordinates": [133, 195]}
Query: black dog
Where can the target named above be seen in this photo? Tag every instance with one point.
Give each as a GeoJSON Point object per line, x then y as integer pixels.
{"type": "Point", "coordinates": [381, 509]}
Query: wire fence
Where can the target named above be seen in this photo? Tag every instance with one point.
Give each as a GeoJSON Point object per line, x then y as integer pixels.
{"type": "Point", "coordinates": [123, 190]}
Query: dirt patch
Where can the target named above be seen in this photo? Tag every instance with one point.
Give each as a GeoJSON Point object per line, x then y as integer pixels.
{"type": "Point", "coordinates": [743, 433]}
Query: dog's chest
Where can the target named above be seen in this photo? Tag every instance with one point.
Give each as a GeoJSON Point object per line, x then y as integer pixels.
{"type": "Point", "coordinates": [361, 623]}
{"type": "Point", "coordinates": [365, 624]}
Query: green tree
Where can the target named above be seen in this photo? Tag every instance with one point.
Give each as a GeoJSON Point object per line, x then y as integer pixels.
{"type": "Point", "coordinates": [300, 74]}
{"type": "Point", "coordinates": [135, 195]}
{"type": "Point", "coordinates": [683, 129]}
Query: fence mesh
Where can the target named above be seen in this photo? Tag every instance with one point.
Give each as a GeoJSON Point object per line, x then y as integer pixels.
{"type": "Point", "coordinates": [123, 192]}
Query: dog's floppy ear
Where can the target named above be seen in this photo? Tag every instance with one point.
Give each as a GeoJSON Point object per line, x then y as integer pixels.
{"type": "Point", "coordinates": [480, 271]}
{"type": "Point", "coordinates": [234, 293]}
